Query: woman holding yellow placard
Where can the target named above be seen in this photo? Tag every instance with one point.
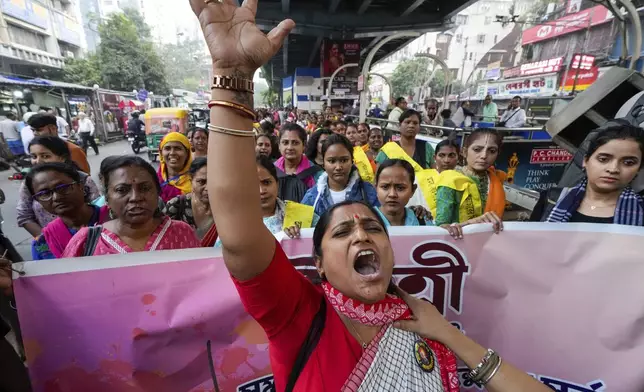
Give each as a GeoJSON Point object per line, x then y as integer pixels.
{"type": "Point", "coordinates": [473, 192]}
{"type": "Point", "coordinates": [279, 215]}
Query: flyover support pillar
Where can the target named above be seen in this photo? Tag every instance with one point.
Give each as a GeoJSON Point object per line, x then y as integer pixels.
{"type": "Point", "coordinates": [367, 65]}
{"type": "Point", "coordinates": [448, 76]}
{"type": "Point", "coordinates": [387, 81]}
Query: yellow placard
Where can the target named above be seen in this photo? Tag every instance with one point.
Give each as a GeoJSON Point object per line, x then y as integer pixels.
{"type": "Point", "coordinates": [361, 161]}
{"type": "Point", "coordinates": [296, 214]}
{"type": "Point", "coordinates": [427, 181]}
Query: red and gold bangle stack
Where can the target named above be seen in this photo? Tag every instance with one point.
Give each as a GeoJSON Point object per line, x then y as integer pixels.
{"type": "Point", "coordinates": [241, 109]}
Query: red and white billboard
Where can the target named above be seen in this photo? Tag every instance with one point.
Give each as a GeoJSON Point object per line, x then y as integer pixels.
{"type": "Point", "coordinates": [534, 68]}
{"type": "Point", "coordinates": [582, 61]}
{"type": "Point", "coordinates": [584, 79]}
{"type": "Point", "coordinates": [568, 24]}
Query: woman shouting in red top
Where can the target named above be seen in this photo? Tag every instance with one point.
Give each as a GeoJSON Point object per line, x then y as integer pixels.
{"type": "Point", "coordinates": [339, 335]}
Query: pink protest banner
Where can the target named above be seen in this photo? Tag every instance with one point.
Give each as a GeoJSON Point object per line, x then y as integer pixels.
{"type": "Point", "coordinates": [555, 300]}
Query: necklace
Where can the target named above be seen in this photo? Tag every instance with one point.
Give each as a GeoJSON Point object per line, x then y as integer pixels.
{"type": "Point", "coordinates": [360, 340]}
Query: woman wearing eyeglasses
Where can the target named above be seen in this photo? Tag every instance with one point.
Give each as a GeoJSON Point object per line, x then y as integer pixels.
{"type": "Point", "coordinates": [59, 190]}
{"type": "Point", "coordinates": [44, 149]}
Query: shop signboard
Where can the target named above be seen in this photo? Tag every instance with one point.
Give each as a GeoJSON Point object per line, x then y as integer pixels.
{"type": "Point", "coordinates": [29, 11]}
{"type": "Point", "coordinates": [582, 61]}
{"type": "Point", "coordinates": [568, 24]}
{"type": "Point", "coordinates": [584, 79]}
{"type": "Point", "coordinates": [539, 85]}
{"type": "Point", "coordinates": [67, 29]}
{"type": "Point", "coordinates": [493, 70]}
{"type": "Point", "coordinates": [142, 95]}
{"type": "Point", "coordinates": [334, 54]}
{"type": "Point", "coordinates": [534, 68]}
{"type": "Point", "coordinates": [536, 165]}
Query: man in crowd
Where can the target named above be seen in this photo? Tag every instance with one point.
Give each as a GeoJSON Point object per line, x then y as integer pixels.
{"type": "Point", "coordinates": [431, 112]}
{"type": "Point", "coordinates": [86, 132]}
{"type": "Point", "coordinates": [394, 116]}
{"type": "Point", "coordinates": [401, 106]}
{"type": "Point", "coordinates": [10, 131]}
{"type": "Point", "coordinates": [44, 124]}
{"type": "Point", "coordinates": [490, 111]}
{"type": "Point", "coordinates": [463, 115]}
{"type": "Point", "coordinates": [514, 117]}
{"type": "Point", "coordinates": [9, 127]}
{"type": "Point", "coordinates": [63, 126]}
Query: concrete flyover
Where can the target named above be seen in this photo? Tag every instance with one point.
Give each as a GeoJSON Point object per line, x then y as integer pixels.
{"type": "Point", "coordinates": [366, 21]}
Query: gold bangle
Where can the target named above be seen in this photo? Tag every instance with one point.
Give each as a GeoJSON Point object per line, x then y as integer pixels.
{"type": "Point", "coordinates": [230, 131]}
{"type": "Point", "coordinates": [248, 112]}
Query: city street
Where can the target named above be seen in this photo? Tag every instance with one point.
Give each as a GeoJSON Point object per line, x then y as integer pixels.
{"type": "Point", "coordinates": [19, 236]}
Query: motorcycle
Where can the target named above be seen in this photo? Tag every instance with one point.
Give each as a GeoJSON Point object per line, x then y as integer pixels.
{"type": "Point", "coordinates": [137, 141]}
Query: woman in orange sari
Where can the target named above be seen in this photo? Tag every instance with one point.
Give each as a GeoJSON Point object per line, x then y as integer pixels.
{"type": "Point", "coordinates": [474, 191]}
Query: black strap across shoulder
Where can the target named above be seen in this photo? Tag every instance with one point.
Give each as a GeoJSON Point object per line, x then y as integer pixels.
{"type": "Point", "coordinates": [93, 235]}
{"type": "Point", "coordinates": [308, 172]}
{"type": "Point", "coordinates": [310, 342]}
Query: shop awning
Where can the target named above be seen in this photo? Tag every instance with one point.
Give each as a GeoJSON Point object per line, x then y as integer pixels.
{"type": "Point", "coordinates": [14, 80]}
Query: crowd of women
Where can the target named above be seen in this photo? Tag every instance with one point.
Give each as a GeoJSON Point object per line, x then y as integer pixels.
{"type": "Point", "coordinates": [341, 178]}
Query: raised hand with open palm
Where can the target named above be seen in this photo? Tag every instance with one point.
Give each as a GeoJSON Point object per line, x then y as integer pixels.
{"type": "Point", "coordinates": [236, 44]}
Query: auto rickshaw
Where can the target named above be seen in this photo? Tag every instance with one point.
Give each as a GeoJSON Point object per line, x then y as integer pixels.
{"type": "Point", "coordinates": [161, 121]}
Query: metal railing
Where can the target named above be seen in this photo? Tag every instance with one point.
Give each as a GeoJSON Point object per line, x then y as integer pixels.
{"type": "Point", "coordinates": [438, 131]}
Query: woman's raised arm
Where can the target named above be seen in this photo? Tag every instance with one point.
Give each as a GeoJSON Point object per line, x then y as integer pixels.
{"type": "Point", "coordinates": [238, 48]}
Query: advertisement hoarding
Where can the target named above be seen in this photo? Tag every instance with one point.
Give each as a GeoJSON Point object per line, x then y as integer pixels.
{"type": "Point", "coordinates": [334, 54]}
{"type": "Point", "coordinates": [584, 79]}
{"type": "Point", "coordinates": [534, 165]}
{"type": "Point", "coordinates": [568, 24]}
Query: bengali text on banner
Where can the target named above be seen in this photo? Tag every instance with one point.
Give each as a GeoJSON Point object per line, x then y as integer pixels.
{"type": "Point", "coordinates": [559, 301]}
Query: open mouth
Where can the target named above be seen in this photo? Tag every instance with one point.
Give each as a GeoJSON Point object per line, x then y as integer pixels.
{"type": "Point", "coordinates": [367, 263]}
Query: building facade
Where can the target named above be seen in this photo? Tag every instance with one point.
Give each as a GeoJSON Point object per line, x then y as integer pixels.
{"type": "Point", "coordinates": [37, 34]}
{"type": "Point", "coordinates": [474, 32]}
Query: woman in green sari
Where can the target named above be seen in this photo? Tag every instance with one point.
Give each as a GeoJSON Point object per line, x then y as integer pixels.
{"type": "Point", "coordinates": [473, 193]}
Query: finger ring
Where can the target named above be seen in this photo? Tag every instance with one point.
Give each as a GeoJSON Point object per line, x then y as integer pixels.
{"type": "Point", "coordinates": [208, 2]}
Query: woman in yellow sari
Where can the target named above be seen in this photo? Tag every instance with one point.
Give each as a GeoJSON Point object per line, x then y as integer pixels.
{"type": "Point", "coordinates": [174, 171]}
{"type": "Point", "coordinates": [473, 193]}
